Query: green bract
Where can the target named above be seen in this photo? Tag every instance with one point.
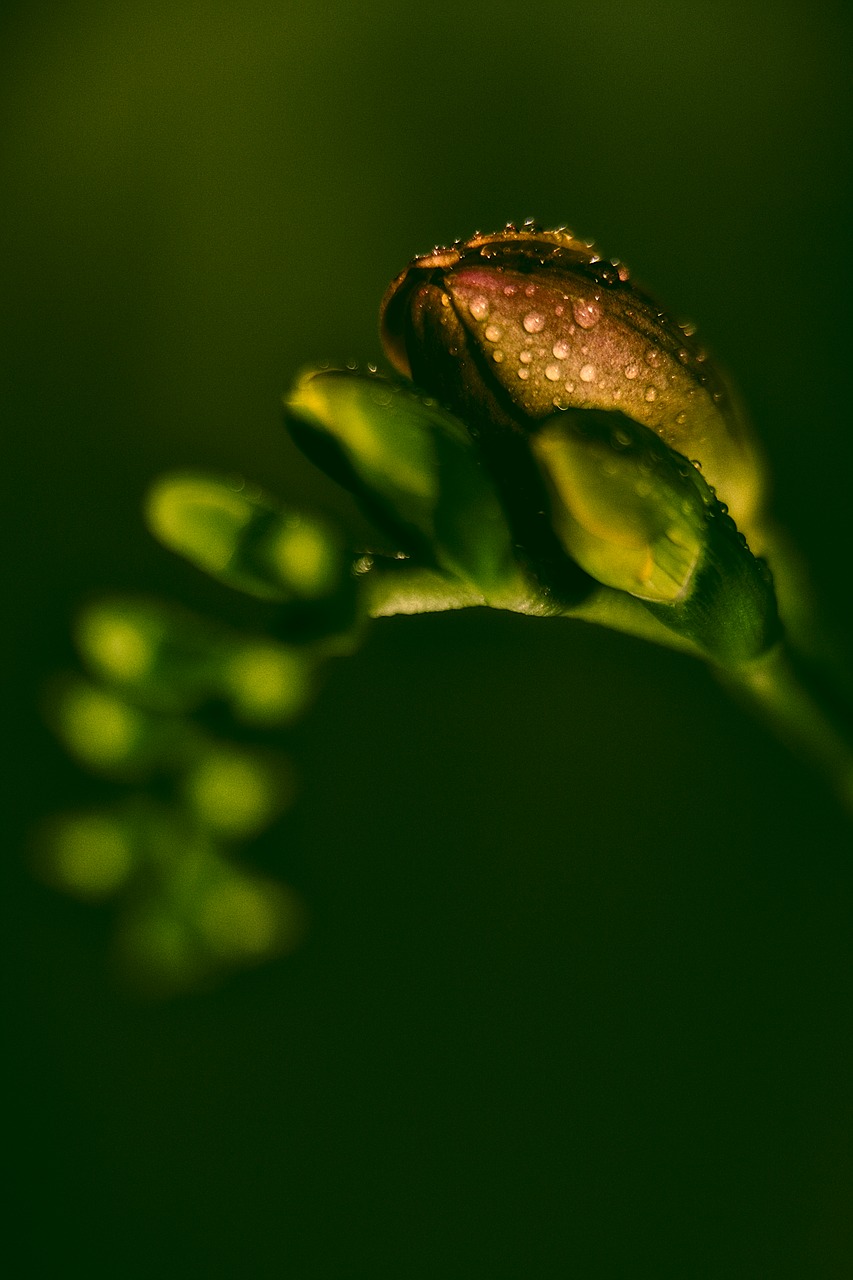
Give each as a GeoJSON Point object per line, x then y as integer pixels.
{"type": "Point", "coordinates": [414, 467]}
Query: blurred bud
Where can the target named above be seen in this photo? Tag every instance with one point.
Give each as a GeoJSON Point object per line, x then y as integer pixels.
{"type": "Point", "coordinates": [90, 855]}
{"type": "Point", "coordinates": [508, 328]}
{"type": "Point", "coordinates": [413, 467]}
{"type": "Point", "coordinates": [104, 732]}
{"type": "Point", "coordinates": [166, 659]}
{"type": "Point", "coordinates": [243, 537]}
{"type": "Point", "coordinates": [236, 792]}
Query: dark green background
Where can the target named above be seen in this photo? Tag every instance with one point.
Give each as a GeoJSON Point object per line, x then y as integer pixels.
{"type": "Point", "coordinates": [577, 997]}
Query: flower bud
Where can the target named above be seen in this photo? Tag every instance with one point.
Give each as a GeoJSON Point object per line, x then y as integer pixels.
{"type": "Point", "coordinates": [506, 328]}
{"type": "Point", "coordinates": [413, 467]}
{"type": "Point", "coordinates": [245, 539]}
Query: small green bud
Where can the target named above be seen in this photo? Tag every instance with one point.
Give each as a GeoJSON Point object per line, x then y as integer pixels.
{"type": "Point", "coordinates": [414, 468]}
{"type": "Point", "coordinates": [236, 792]}
{"type": "Point", "coordinates": [244, 538]}
{"type": "Point", "coordinates": [90, 855]}
{"type": "Point", "coordinates": [108, 734]}
{"type": "Point", "coordinates": [166, 659]}
{"type": "Point", "coordinates": [639, 518]}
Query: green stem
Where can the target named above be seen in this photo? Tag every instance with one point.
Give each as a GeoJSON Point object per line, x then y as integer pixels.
{"type": "Point", "coordinates": [801, 705]}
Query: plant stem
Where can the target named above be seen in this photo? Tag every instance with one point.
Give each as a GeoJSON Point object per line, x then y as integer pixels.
{"type": "Point", "coordinates": [799, 701]}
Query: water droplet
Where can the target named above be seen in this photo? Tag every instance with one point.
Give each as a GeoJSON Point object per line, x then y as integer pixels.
{"type": "Point", "coordinates": [492, 333]}
{"type": "Point", "coordinates": [445, 300]}
{"type": "Point", "coordinates": [681, 418]}
{"type": "Point", "coordinates": [651, 393]}
{"type": "Point", "coordinates": [560, 350]}
{"type": "Point", "coordinates": [587, 373]}
{"type": "Point", "coordinates": [559, 309]}
{"type": "Point", "coordinates": [620, 439]}
{"type": "Point", "coordinates": [497, 356]}
{"type": "Point", "coordinates": [694, 462]}
{"type": "Point", "coordinates": [529, 290]}
{"type": "Point", "coordinates": [352, 365]}
{"type": "Point", "coordinates": [382, 398]}
{"type": "Point", "coordinates": [586, 313]}
{"type": "Point", "coordinates": [533, 322]}
{"type": "Point", "coordinates": [570, 386]}
{"type": "Point", "coordinates": [624, 273]}
{"type": "Point", "coordinates": [509, 290]}
{"type": "Point", "coordinates": [552, 372]}
{"type": "Point", "coordinates": [559, 404]}
{"type": "Point", "coordinates": [717, 397]}
{"type": "Point", "coordinates": [653, 357]}
{"type": "Point", "coordinates": [371, 368]}
{"type": "Point", "coordinates": [479, 308]}
{"type": "Point", "coordinates": [525, 357]}
{"type": "Point", "coordinates": [524, 374]}
{"type": "Point", "coordinates": [684, 355]}
{"type": "Point", "coordinates": [631, 371]}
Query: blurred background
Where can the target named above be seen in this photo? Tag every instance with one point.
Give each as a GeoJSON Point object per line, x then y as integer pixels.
{"type": "Point", "coordinates": [576, 997]}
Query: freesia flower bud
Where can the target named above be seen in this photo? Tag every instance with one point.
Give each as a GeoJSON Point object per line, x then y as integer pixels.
{"type": "Point", "coordinates": [508, 328]}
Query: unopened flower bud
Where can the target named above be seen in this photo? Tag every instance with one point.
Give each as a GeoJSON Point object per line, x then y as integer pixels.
{"type": "Point", "coordinates": [508, 328]}
{"type": "Point", "coordinates": [414, 468]}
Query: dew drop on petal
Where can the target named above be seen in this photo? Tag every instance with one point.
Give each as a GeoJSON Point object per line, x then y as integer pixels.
{"type": "Point", "coordinates": [552, 372]}
{"type": "Point", "coordinates": [684, 355]}
{"type": "Point", "coordinates": [653, 357]}
{"type": "Point", "coordinates": [529, 290]}
{"type": "Point", "coordinates": [631, 371]}
{"type": "Point", "coordinates": [681, 418]}
{"type": "Point", "coordinates": [533, 322]}
{"type": "Point", "coordinates": [523, 373]}
{"type": "Point", "coordinates": [560, 350]}
{"type": "Point", "coordinates": [479, 308]}
{"type": "Point", "coordinates": [570, 386]}
{"type": "Point", "coordinates": [497, 356]}
{"type": "Point", "coordinates": [492, 333]}
{"type": "Point", "coordinates": [587, 373]}
{"type": "Point", "coordinates": [509, 290]}
{"type": "Point", "coordinates": [651, 393]}
{"type": "Point", "coordinates": [586, 313]}
{"type": "Point", "coordinates": [525, 357]}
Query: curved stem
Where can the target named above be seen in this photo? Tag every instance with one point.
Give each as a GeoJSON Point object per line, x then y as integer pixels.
{"type": "Point", "coordinates": [804, 708]}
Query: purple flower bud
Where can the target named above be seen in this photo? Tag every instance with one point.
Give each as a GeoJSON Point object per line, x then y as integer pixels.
{"type": "Point", "coordinates": [510, 328]}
